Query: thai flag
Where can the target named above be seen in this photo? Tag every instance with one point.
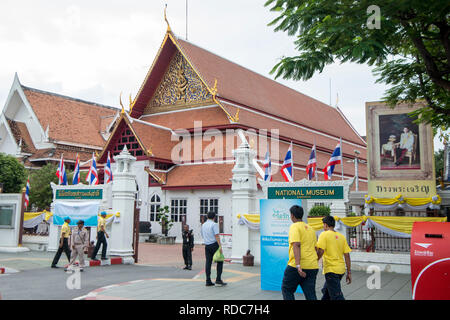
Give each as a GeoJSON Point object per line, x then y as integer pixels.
{"type": "Point", "coordinates": [92, 176]}
{"type": "Point", "coordinates": [108, 171]}
{"type": "Point", "coordinates": [27, 194]}
{"type": "Point", "coordinates": [311, 166]}
{"type": "Point", "coordinates": [336, 158]}
{"type": "Point", "coordinates": [286, 169]}
{"type": "Point", "coordinates": [267, 165]}
{"type": "Point", "coordinates": [76, 172]}
{"type": "Point", "coordinates": [61, 172]}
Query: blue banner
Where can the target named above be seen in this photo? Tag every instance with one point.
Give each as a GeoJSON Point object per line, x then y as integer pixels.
{"type": "Point", "coordinates": [87, 211]}
{"type": "Point", "coordinates": [275, 220]}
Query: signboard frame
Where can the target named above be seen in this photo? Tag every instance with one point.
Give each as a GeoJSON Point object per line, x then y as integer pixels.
{"type": "Point", "coordinates": [385, 183]}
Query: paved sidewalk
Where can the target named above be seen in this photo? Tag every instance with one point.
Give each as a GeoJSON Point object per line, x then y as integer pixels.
{"type": "Point", "coordinates": [177, 284]}
{"type": "Point", "coordinates": [243, 283]}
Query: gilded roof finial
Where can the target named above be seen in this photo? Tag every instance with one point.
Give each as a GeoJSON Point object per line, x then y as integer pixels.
{"type": "Point", "coordinates": [120, 100]}
{"type": "Point", "coordinates": [214, 89]}
{"type": "Point", "coordinates": [236, 116]}
{"type": "Point", "coordinates": [165, 18]}
{"type": "Point", "coordinates": [132, 102]}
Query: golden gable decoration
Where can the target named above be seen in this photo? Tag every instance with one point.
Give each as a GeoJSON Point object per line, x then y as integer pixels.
{"type": "Point", "coordinates": [180, 86]}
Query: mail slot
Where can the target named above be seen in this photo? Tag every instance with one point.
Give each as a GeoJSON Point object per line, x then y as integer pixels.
{"type": "Point", "coordinates": [430, 261]}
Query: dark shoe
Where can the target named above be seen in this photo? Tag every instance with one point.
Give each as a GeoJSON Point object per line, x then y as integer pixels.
{"type": "Point", "coordinates": [104, 258]}
{"type": "Point", "coordinates": [209, 284]}
{"type": "Point", "coordinates": [53, 266]}
{"type": "Point", "coordinates": [189, 268]}
{"type": "Point", "coordinates": [185, 268]}
{"type": "Point", "coordinates": [221, 283]}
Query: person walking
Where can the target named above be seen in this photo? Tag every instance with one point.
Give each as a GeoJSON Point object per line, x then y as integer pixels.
{"type": "Point", "coordinates": [303, 264]}
{"type": "Point", "coordinates": [63, 243]}
{"type": "Point", "coordinates": [79, 242]}
{"type": "Point", "coordinates": [334, 248]}
{"type": "Point", "coordinates": [210, 234]}
{"type": "Point", "coordinates": [101, 237]}
{"type": "Point", "coordinates": [188, 246]}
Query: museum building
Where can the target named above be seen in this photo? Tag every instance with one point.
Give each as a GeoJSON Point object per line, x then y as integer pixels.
{"type": "Point", "coordinates": [182, 127]}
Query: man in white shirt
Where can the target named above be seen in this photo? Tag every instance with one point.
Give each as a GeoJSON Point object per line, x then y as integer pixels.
{"type": "Point", "coordinates": [405, 145]}
{"type": "Point", "coordinates": [210, 234]}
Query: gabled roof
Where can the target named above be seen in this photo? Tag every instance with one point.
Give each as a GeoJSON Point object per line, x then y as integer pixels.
{"type": "Point", "coordinates": [229, 82]}
{"type": "Point", "coordinates": [154, 140]}
{"type": "Point", "coordinates": [69, 119]}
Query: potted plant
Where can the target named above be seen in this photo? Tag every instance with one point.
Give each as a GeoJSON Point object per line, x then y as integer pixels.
{"type": "Point", "coordinates": [164, 220]}
{"type": "Point", "coordinates": [319, 211]}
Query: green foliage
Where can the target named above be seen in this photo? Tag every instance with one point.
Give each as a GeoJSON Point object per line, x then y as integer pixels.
{"type": "Point", "coordinates": [83, 175]}
{"type": "Point", "coordinates": [319, 211]}
{"type": "Point", "coordinates": [439, 163]}
{"type": "Point", "coordinates": [351, 214]}
{"type": "Point", "coordinates": [13, 174]}
{"type": "Point", "coordinates": [41, 193]}
{"type": "Point", "coordinates": [164, 219]}
{"type": "Point", "coordinates": [410, 51]}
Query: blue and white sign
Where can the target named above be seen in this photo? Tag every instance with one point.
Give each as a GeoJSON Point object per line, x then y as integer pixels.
{"type": "Point", "coordinates": [87, 211]}
{"type": "Point", "coordinates": [275, 220]}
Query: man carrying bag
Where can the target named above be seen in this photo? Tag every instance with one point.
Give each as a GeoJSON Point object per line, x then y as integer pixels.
{"type": "Point", "coordinates": [210, 234]}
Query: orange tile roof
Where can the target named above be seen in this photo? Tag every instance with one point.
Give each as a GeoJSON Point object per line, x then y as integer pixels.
{"type": "Point", "coordinates": [201, 175]}
{"type": "Point", "coordinates": [243, 86]}
{"type": "Point", "coordinates": [69, 119]}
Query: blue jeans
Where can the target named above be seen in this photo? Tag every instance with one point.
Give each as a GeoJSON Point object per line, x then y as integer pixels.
{"type": "Point", "coordinates": [291, 280]}
{"type": "Point", "coordinates": [332, 287]}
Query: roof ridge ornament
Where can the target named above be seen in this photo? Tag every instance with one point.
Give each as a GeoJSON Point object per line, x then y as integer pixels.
{"type": "Point", "coordinates": [120, 101]}
{"type": "Point", "coordinates": [130, 107]}
{"type": "Point", "coordinates": [165, 18]}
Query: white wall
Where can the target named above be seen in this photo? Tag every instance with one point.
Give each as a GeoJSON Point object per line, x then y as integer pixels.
{"type": "Point", "coordinates": [9, 236]}
{"type": "Point", "coordinates": [7, 144]}
{"type": "Point", "coordinates": [193, 209]}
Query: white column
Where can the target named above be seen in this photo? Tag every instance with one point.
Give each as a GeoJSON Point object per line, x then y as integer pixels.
{"type": "Point", "coordinates": [123, 191]}
{"type": "Point", "coordinates": [244, 199]}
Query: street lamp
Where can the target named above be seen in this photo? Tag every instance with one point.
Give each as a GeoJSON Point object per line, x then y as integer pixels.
{"type": "Point", "coordinates": [356, 161]}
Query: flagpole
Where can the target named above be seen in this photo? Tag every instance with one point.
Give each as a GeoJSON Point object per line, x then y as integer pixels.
{"type": "Point", "coordinates": [292, 159]}
{"type": "Point", "coordinates": [342, 159]}
{"type": "Point", "coordinates": [315, 154]}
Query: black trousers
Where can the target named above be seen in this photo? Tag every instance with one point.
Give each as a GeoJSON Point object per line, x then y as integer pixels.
{"type": "Point", "coordinates": [292, 279]}
{"type": "Point", "coordinates": [210, 249]}
{"type": "Point", "coordinates": [65, 248]}
{"type": "Point", "coordinates": [187, 255]}
{"type": "Point", "coordinates": [332, 287]}
{"type": "Point", "coordinates": [101, 240]}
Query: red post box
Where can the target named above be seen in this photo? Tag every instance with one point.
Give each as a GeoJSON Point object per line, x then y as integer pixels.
{"type": "Point", "coordinates": [430, 261]}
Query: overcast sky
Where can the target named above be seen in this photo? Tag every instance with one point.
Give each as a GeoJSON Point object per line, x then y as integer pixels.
{"type": "Point", "coordinates": [94, 50]}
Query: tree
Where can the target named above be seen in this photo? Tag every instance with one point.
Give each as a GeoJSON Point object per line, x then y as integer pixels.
{"type": "Point", "coordinates": [41, 193]}
{"type": "Point", "coordinates": [409, 46]}
{"type": "Point", "coordinates": [13, 174]}
{"type": "Point", "coordinates": [439, 163]}
{"type": "Point", "coordinates": [164, 220]}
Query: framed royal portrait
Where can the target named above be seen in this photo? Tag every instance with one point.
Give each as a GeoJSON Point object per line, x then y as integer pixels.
{"type": "Point", "coordinates": [399, 149]}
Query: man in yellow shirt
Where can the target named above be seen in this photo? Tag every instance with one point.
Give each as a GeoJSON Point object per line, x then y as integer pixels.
{"type": "Point", "coordinates": [334, 248]}
{"type": "Point", "coordinates": [303, 263]}
{"type": "Point", "coordinates": [63, 243]}
{"type": "Point", "coordinates": [101, 240]}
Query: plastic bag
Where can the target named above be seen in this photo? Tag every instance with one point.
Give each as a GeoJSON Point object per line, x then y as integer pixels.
{"type": "Point", "coordinates": [218, 256]}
